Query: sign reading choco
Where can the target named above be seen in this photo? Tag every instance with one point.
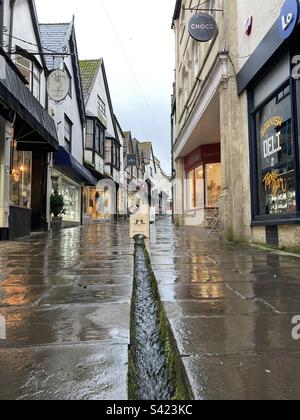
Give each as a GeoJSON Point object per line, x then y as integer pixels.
{"type": "Point", "coordinates": [203, 27]}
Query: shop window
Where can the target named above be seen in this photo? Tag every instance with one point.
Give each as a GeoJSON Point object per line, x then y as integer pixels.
{"type": "Point", "coordinates": [89, 141]}
{"type": "Point", "coordinates": [71, 199]}
{"type": "Point", "coordinates": [275, 156]}
{"type": "Point", "coordinates": [213, 185]}
{"type": "Point", "coordinates": [20, 180]}
{"type": "Point", "coordinates": [98, 202]}
{"type": "Point", "coordinates": [71, 194]}
{"type": "Point", "coordinates": [204, 186]}
{"type": "Point", "coordinates": [32, 74]}
{"type": "Point", "coordinates": [195, 188]}
{"type": "Point", "coordinates": [68, 134]}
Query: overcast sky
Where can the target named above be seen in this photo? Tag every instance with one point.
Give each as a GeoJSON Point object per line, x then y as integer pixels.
{"type": "Point", "coordinates": [140, 70]}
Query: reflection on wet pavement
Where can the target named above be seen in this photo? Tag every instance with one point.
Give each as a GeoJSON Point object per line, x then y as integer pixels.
{"type": "Point", "coordinates": [66, 301]}
{"type": "Point", "coordinates": [230, 308]}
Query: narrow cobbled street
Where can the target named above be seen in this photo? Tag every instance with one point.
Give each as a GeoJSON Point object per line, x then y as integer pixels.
{"type": "Point", "coordinates": [66, 300]}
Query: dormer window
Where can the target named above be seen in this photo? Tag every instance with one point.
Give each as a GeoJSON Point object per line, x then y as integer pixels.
{"type": "Point", "coordinates": [101, 106]}
{"type": "Point", "coordinates": [31, 72]}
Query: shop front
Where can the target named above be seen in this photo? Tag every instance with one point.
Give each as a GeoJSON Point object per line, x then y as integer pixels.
{"type": "Point", "coordinates": [71, 192]}
{"type": "Point", "coordinates": [274, 118]}
{"type": "Point", "coordinates": [28, 135]}
{"type": "Point", "coordinates": [20, 193]}
{"type": "Point", "coordinates": [69, 178]}
{"type": "Point", "coordinates": [98, 203]}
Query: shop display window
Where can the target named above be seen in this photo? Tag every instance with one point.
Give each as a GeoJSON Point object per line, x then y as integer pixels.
{"type": "Point", "coordinates": [204, 186]}
{"type": "Point", "coordinates": [98, 203]}
{"type": "Point", "coordinates": [71, 194]}
{"type": "Point", "coordinates": [213, 184]}
{"type": "Point", "coordinates": [276, 156]}
{"type": "Point", "coordinates": [20, 180]}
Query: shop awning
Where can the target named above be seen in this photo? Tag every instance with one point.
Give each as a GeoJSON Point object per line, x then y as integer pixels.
{"type": "Point", "coordinates": [67, 164]}
{"type": "Point", "coordinates": [33, 124]}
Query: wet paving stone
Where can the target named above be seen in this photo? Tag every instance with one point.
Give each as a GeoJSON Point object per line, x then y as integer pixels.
{"type": "Point", "coordinates": [66, 302]}
{"type": "Point", "coordinates": [216, 308]}
{"type": "Point", "coordinates": [230, 308]}
{"type": "Point", "coordinates": [196, 292]}
{"type": "Point", "coordinates": [69, 324]}
{"type": "Point", "coordinates": [47, 280]}
{"type": "Point", "coordinates": [235, 334]}
{"type": "Point", "coordinates": [93, 294]}
{"type": "Point", "coordinates": [245, 377]}
{"type": "Point", "coordinates": [86, 372]}
{"type": "Point", "coordinates": [110, 280]}
{"type": "Point", "coordinates": [21, 295]}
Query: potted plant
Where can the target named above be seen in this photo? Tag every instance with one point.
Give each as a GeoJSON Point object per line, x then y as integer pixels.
{"type": "Point", "coordinates": [57, 209]}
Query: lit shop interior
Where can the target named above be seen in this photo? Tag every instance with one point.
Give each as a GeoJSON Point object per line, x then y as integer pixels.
{"type": "Point", "coordinates": [204, 186]}
{"type": "Point", "coordinates": [71, 193]}
{"type": "Point", "coordinates": [20, 180]}
{"type": "Point", "coordinates": [204, 177]}
{"type": "Point", "coordinates": [98, 203]}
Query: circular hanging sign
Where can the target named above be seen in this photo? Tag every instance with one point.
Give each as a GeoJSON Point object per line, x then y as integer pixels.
{"type": "Point", "coordinates": [289, 17]}
{"type": "Point", "coordinates": [58, 85]}
{"type": "Point", "coordinates": [203, 27]}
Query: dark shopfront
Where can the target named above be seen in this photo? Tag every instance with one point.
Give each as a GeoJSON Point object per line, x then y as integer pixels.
{"type": "Point", "coordinates": [274, 120]}
{"type": "Point", "coordinates": [32, 137]}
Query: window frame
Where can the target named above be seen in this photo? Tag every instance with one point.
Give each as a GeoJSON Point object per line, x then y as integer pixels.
{"type": "Point", "coordinates": [101, 105]}
{"type": "Point", "coordinates": [34, 66]}
{"type": "Point", "coordinates": [273, 219]}
{"type": "Point", "coordinates": [102, 142]}
{"type": "Point", "coordinates": [100, 151]}
{"type": "Point", "coordinates": [89, 120]}
{"type": "Point", "coordinates": [97, 138]}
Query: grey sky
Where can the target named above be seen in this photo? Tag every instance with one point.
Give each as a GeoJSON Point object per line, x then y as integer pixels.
{"type": "Point", "coordinates": [141, 101]}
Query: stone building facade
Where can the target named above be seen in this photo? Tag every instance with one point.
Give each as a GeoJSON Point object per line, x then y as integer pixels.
{"type": "Point", "coordinates": [219, 159]}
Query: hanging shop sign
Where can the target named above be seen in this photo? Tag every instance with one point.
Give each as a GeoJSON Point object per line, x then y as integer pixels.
{"type": "Point", "coordinates": [203, 27]}
{"type": "Point", "coordinates": [58, 85]}
{"type": "Point", "coordinates": [289, 17]}
{"type": "Point", "coordinates": [131, 160]}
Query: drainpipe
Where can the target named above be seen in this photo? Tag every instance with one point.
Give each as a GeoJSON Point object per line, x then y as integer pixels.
{"type": "Point", "coordinates": [11, 24]}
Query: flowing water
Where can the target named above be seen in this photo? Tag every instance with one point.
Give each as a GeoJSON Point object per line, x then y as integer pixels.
{"type": "Point", "coordinates": [152, 375]}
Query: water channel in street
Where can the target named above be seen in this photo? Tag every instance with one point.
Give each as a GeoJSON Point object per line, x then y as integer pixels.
{"type": "Point", "coordinates": [155, 367]}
